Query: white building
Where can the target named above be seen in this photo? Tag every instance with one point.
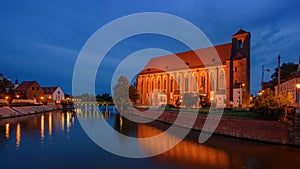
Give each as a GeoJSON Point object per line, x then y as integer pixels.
{"type": "Point", "coordinates": [290, 87]}
{"type": "Point", "coordinates": [54, 94]}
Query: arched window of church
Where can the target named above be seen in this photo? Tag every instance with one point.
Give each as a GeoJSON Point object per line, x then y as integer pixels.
{"type": "Point", "coordinates": [142, 84]}
{"type": "Point", "coordinates": [165, 83]}
{"type": "Point", "coordinates": [195, 81]}
{"type": "Point", "coordinates": [171, 84]}
{"type": "Point", "coordinates": [147, 86]}
{"type": "Point", "coordinates": [152, 84]}
{"type": "Point", "coordinates": [158, 84]}
{"type": "Point", "coordinates": [240, 44]}
{"type": "Point", "coordinates": [203, 81]}
{"type": "Point", "coordinates": [212, 81]}
{"type": "Point", "coordinates": [186, 83]}
{"type": "Point", "coordinates": [222, 80]}
{"type": "Point", "coordinates": [178, 82]}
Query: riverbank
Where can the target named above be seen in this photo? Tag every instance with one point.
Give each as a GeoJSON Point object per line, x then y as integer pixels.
{"type": "Point", "coordinates": [252, 129]}
{"type": "Point", "coordinates": [6, 112]}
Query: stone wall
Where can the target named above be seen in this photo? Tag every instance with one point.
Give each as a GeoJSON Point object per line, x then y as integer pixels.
{"type": "Point", "coordinates": [260, 130]}
{"type": "Point", "coordinates": [6, 112]}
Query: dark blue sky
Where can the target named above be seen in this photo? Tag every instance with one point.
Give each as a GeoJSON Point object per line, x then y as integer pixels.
{"type": "Point", "coordinates": [40, 40]}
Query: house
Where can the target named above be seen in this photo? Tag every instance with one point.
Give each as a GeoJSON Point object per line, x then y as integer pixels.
{"type": "Point", "coordinates": [54, 94]}
{"type": "Point", "coordinates": [226, 84]}
{"type": "Point", "coordinates": [30, 90]}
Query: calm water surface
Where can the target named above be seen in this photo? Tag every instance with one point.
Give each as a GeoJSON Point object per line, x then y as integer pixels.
{"type": "Point", "coordinates": [57, 140]}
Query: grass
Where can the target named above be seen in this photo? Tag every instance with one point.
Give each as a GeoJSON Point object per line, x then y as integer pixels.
{"type": "Point", "coordinates": [235, 113]}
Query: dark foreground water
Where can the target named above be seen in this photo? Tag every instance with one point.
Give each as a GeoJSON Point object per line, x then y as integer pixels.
{"type": "Point", "coordinates": [56, 140]}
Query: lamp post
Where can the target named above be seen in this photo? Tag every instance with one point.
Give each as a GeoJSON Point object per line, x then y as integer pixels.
{"type": "Point", "coordinates": [297, 93]}
{"type": "Point", "coordinates": [262, 76]}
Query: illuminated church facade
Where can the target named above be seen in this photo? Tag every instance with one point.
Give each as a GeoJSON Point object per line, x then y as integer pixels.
{"type": "Point", "coordinates": [166, 79]}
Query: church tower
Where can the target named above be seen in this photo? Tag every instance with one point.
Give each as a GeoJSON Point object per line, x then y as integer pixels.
{"type": "Point", "coordinates": [240, 69]}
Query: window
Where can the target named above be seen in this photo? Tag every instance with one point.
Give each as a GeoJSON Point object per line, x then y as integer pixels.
{"type": "Point", "coordinates": [212, 81]}
{"type": "Point", "coordinates": [222, 80]}
{"type": "Point", "coordinates": [240, 44]}
{"type": "Point", "coordinates": [203, 80]}
{"type": "Point", "coordinates": [152, 84]}
{"type": "Point", "coordinates": [58, 92]}
{"type": "Point", "coordinates": [32, 87]}
{"type": "Point", "coordinates": [165, 83]}
{"type": "Point", "coordinates": [171, 85]}
{"type": "Point", "coordinates": [235, 69]}
{"type": "Point", "coordinates": [158, 84]}
{"type": "Point", "coordinates": [195, 81]}
{"type": "Point", "coordinates": [178, 82]}
{"type": "Point", "coordinates": [186, 83]}
{"type": "Point", "coordinates": [147, 85]}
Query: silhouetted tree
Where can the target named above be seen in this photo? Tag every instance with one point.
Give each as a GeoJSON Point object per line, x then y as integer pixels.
{"type": "Point", "coordinates": [286, 71]}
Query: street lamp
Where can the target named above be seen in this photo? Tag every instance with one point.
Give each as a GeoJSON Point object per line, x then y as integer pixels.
{"type": "Point", "coordinates": [297, 92]}
{"type": "Point", "coordinates": [262, 76]}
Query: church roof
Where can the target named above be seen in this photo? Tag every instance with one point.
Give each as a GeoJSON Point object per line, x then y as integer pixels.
{"type": "Point", "coordinates": [189, 59]}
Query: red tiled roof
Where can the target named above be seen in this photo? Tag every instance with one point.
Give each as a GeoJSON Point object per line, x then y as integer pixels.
{"type": "Point", "coordinates": [49, 90]}
{"type": "Point", "coordinates": [25, 85]}
{"type": "Point", "coordinates": [189, 59]}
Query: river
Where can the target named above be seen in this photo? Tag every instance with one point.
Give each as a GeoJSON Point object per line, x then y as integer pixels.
{"type": "Point", "coordinates": [57, 140]}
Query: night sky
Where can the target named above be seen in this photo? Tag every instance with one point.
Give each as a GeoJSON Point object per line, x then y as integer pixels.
{"type": "Point", "coordinates": [40, 40]}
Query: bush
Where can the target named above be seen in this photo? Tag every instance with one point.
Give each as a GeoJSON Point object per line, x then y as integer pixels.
{"type": "Point", "coordinates": [269, 107]}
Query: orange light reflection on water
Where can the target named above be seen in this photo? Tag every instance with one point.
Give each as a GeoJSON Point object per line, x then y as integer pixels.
{"type": "Point", "coordinates": [18, 136]}
{"type": "Point", "coordinates": [7, 130]}
{"type": "Point", "coordinates": [186, 152]}
{"type": "Point", "coordinates": [50, 124]}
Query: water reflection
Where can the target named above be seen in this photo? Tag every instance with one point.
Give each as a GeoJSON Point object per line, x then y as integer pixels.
{"type": "Point", "coordinates": [18, 136]}
{"type": "Point", "coordinates": [50, 124]}
{"type": "Point", "coordinates": [35, 126]}
{"type": "Point", "coordinates": [23, 133]}
{"type": "Point", "coordinates": [7, 131]}
{"type": "Point", "coordinates": [42, 127]}
{"type": "Point", "coordinates": [187, 152]}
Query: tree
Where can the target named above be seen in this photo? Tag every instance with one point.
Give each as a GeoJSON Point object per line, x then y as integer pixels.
{"type": "Point", "coordinates": [272, 107]}
{"type": "Point", "coordinates": [133, 94]}
{"type": "Point", "coordinates": [105, 97]}
{"type": "Point", "coordinates": [121, 93]}
{"type": "Point", "coordinates": [189, 100]}
{"type": "Point", "coordinates": [286, 70]}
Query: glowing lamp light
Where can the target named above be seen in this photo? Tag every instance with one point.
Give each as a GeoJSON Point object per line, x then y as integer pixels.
{"type": "Point", "coordinates": [211, 98]}
{"type": "Point", "coordinates": [49, 97]}
{"type": "Point", "coordinates": [42, 97]}
{"type": "Point", "coordinates": [18, 96]}
{"type": "Point", "coordinates": [298, 86]}
{"type": "Point", "coordinates": [243, 84]}
{"type": "Point", "coordinates": [6, 97]}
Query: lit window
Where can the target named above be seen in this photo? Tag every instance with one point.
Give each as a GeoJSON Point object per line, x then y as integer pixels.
{"type": "Point", "coordinates": [222, 80]}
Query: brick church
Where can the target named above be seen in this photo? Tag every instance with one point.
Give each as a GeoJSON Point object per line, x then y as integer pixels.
{"type": "Point", "coordinates": [165, 79]}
